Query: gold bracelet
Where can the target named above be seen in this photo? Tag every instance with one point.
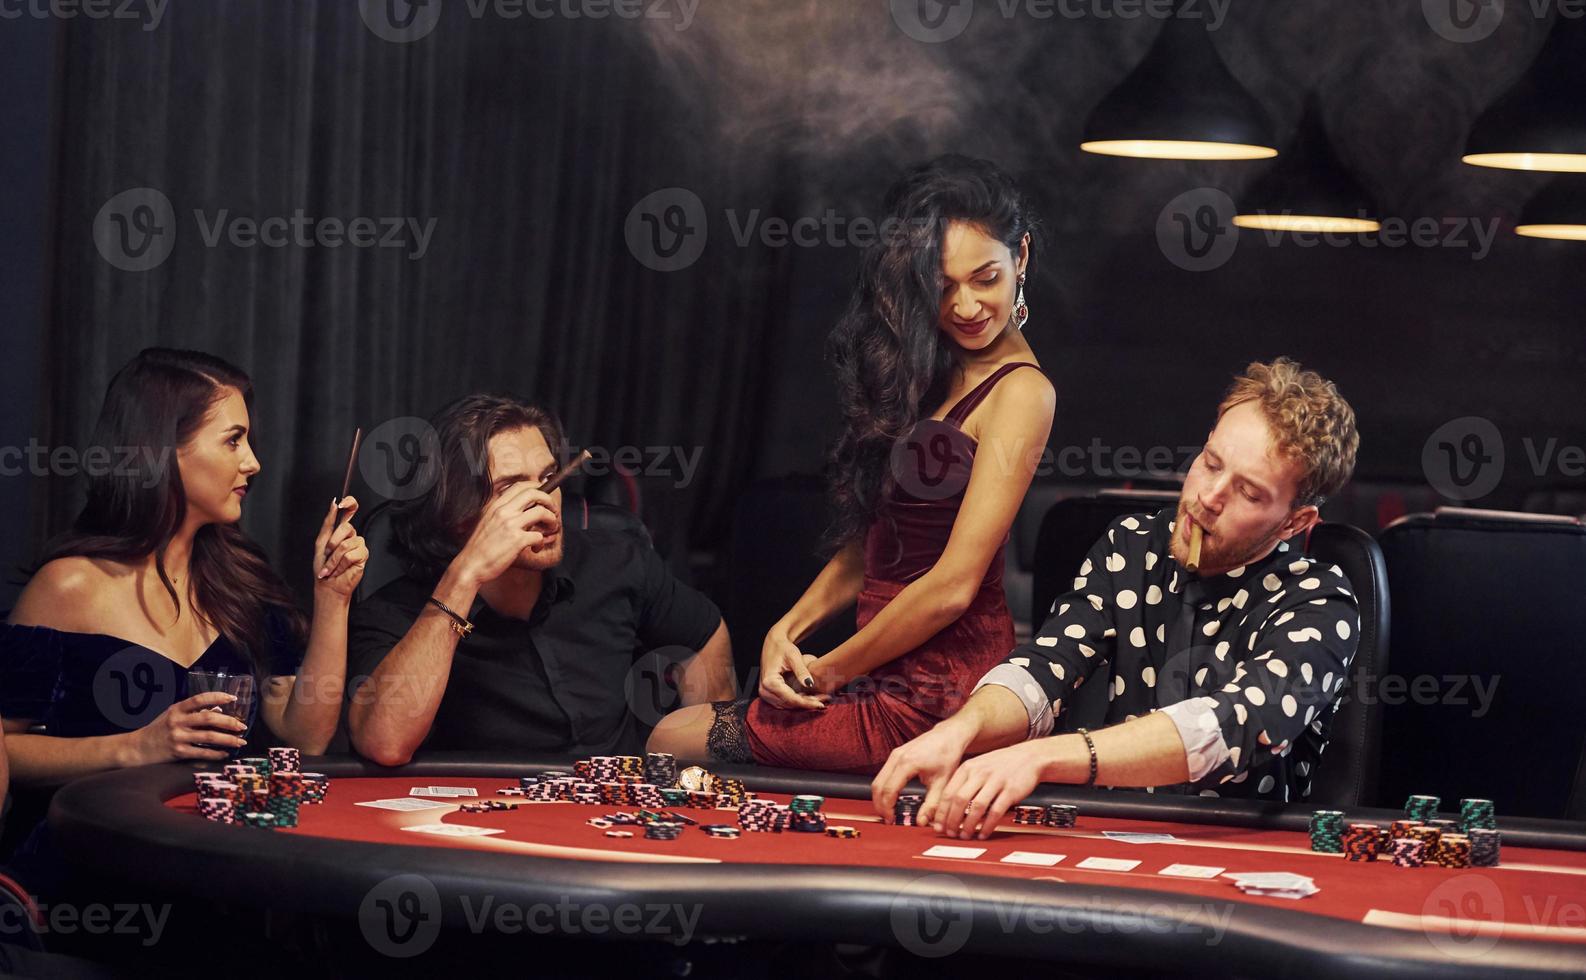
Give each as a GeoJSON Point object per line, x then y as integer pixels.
{"type": "Point", "coordinates": [460, 625]}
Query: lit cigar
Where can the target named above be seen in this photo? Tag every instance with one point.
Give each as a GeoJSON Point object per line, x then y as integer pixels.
{"type": "Point", "coordinates": [1194, 563]}
{"type": "Point", "coordinates": [565, 473]}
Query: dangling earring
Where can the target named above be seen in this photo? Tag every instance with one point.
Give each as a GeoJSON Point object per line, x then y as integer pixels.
{"type": "Point", "coordinates": [1021, 311]}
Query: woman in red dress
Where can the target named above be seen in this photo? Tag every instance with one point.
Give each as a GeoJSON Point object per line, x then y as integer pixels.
{"type": "Point", "coordinates": [947, 414]}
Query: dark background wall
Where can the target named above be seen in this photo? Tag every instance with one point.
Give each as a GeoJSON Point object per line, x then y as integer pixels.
{"type": "Point", "coordinates": [531, 142]}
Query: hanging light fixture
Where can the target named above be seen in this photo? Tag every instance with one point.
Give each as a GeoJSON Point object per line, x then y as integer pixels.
{"type": "Point", "coordinates": [1559, 211]}
{"type": "Point", "coordinates": [1540, 123]}
{"type": "Point", "coordinates": [1180, 103]}
{"type": "Point", "coordinates": [1309, 189]}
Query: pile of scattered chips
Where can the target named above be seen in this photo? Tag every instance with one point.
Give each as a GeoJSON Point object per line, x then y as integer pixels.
{"type": "Point", "coordinates": [906, 811]}
{"type": "Point", "coordinates": [485, 806]}
{"type": "Point", "coordinates": [1327, 831]}
{"type": "Point", "coordinates": [663, 830]}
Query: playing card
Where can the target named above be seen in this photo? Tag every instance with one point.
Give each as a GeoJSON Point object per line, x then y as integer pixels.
{"type": "Point", "coordinates": [1190, 871]}
{"type": "Point", "coordinates": [948, 851]}
{"type": "Point", "coordinates": [1108, 864]}
{"type": "Point", "coordinates": [452, 830]}
{"type": "Point", "coordinates": [1129, 837]}
{"type": "Point", "coordinates": [404, 803]}
{"type": "Point", "coordinates": [1033, 858]}
{"type": "Point", "coordinates": [448, 791]}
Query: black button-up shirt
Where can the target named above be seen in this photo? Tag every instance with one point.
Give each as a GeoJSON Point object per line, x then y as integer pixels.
{"type": "Point", "coordinates": [557, 681]}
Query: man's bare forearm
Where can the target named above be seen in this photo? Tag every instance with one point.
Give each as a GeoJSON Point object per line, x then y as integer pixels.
{"type": "Point", "coordinates": [708, 674]}
{"type": "Point", "coordinates": [992, 718]}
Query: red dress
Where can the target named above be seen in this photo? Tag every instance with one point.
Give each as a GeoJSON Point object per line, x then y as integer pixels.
{"type": "Point", "coordinates": [903, 698]}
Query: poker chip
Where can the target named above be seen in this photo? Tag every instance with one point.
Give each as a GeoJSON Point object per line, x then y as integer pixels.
{"type": "Point", "coordinates": [1452, 851]}
{"type": "Point", "coordinates": [1477, 814]}
{"type": "Point", "coordinates": [845, 833]}
{"type": "Point", "coordinates": [1362, 842]}
{"type": "Point", "coordinates": [601, 822]}
{"type": "Point", "coordinates": [256, 819]}
{"type": "Point", "coordinates": [660, 768]}
{"type": "Point", "coordinates": [1327, 831]}
{"type": "Point", "coordinates": [1485, 845]}
{"type": "Point", "coordinates": [1408, 852]}
{"type": "Point", "coordinates": [234, 769]}
{"type": "Point", "coordinates": [906, 811]}
{"type": "Point", "coordinates": [1033, 815]}
{"type": "Point", "coordinates": [218, 809]}
{"type": "Point", "coordinates": [285, 759]}
{"type": "Point", "coordinates": [1061, 815]}
{"type": "Point", "coordinates": [722, 831]}
{"type": "Point", "coordinates": [619, 833]}
{"type": "Point", "coordinates": [661, 830]}
{"type": "Point", "coordinates": [316, 786]}
{"type": "Point", "coordinates": [1422, 808]}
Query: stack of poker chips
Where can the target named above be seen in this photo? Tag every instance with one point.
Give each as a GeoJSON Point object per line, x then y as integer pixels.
{"type": "Point", "coordinates": [256, 819]}
{"type": "Point", "coordinates": [844, 833]}
{"type": "Point", "coordinates": [1426, 835]}
{"type": "Point", "coordinates": [660, 768]}
{"type": "Point", "coordinates": [1408, 852]}
{"type": "Point", "coordinates": [1477, 814]}
{"type": "Point", "coordinates": [218, 808]}
{"type": "Point", "coordinates": [1327, 831]}
{"type": "Point", "coordinates": [729, 792]}
{"type": "Point", "coordinates": [1452, 851]}
{"type": "Point", "coordinates": [763, 816]}
{"type": "Point", "coordinates": [285, 759]}
{"type": "Point", "coordinates": [906, 811]}
{"type": "Point", "coordinates": [316, 787]}
{"type": "Point", "coordinates": [260, 764]}
{"type": "Point", "coordinates": [1422, 808]}
{"type": "Point", "coordinates": [1029, 815]}
{"type": "Point", "coordinates": [286, 795]}
{"type": "Point", "coordinates": [663, 830]}
{"type": "Point", "coordinates": [1444, 827]}
{"type": "Point", "coordinates": [1061, 815]}
{"type": "Point", "coordinates": [721, 831]}
{"type": "Point", "coordinates": [1484, 847]}
{"type": "Point", "coordinates": [1362, 842]}
{"type": "Point", "coordinates": [234, 769]}
{"type": "Point", "coordinates": [805, 816]}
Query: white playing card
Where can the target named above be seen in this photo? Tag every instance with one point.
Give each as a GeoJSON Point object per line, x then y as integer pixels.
{"type": "Point", "coordinates": [1129, 837]}
{"type": "Point", "coordinates": [949, 851]}
{"type": "Point", "coordinates": [452, 830]}
{"type": "Point", "coordinates": [448, 791]}
{"type": "Point", "coordinates": [1108, 864]}
{"type": "Point", "coordinates": [1033, 858]}
{"type": "Point", "coordinates": [1190, 871]}
{"type": "Point", "coordinates": [405, 803]}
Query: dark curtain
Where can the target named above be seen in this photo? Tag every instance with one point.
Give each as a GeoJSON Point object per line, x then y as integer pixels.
{"type": "Point", "coordinates": [527, 142]}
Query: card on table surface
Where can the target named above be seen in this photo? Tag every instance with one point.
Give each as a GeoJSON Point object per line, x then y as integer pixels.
{"type": "Point", "coordinates": [1129, 837]}
{"type": "Point", "coordinates": [443, 791]}
{"type": "Point", "coordinates": [949, 851]}
{"type": "Point", "coordinates": [1033, 858]}
{"type": "Point", "coordinates": [452, 830]}
{"type": "Point", "coordinates": [1108, 864]}
{"type": "Point", "coordinates": [405, 803]}
{"type": "Point", "coordinates": [1190, 871]}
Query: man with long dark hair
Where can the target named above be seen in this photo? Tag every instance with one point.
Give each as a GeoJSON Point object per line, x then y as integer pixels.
{"type": "Point", "coordinates": [512, 628]}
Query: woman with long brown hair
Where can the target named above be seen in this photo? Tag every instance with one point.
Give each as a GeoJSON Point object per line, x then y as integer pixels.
{"type": "Point", "coordinates": [155, 579]}
{"type": "Point", "coordinates": [943, 434]}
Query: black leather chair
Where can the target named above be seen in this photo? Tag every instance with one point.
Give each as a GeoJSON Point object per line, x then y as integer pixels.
{"type": "Point", "coordinates": [1349, 774]}
{"type": "Point", "coordinates": [1494, 598]}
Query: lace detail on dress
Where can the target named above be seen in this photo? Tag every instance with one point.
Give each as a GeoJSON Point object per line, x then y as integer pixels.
{"type": "Point", "coordinates": [728, 738]}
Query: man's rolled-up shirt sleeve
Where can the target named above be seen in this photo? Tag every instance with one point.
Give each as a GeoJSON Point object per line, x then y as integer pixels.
{"type": "Point", "coordinates": [1074, 641]}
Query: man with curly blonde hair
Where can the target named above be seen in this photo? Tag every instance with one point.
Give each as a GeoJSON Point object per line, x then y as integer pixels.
{"type": "Point", "coordinates": [1222, 680]}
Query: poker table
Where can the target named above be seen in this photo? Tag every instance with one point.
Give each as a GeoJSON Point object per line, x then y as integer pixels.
{"type": "Point", "coordinates": [544, 868]}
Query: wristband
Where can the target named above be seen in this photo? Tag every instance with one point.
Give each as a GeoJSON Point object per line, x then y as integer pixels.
{"type": "Point", "coordinates": [1091, 745]}
{"type": "Point", "coordinates": [460, 625]}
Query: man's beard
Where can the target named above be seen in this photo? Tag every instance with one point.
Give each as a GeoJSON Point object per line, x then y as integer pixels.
{"type": "Point", "coordinates": [1220, 555]}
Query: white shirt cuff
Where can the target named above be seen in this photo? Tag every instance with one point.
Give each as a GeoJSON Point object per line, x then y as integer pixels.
{"type": "Point", "coordinates": [1204, 747]}
{"type": "Point", "coordinates": [1024, 686]}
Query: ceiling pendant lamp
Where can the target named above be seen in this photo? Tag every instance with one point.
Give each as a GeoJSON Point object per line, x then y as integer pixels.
{"type": "Point", "coordinates": [1540, 123]}
{"type": "Point", "coordinates": [1559, 211]}
{"type": "Point", "coordinates": [1309, 189]}
{"type": "Point", "coordinates": [1180, 103]}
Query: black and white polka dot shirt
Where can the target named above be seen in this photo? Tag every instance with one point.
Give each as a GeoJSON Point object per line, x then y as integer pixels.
{"type": "Point", "coordinates": [1249, 665]}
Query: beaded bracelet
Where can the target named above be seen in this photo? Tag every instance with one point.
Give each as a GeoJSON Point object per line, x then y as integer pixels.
{"type": "Point", "coordinates": [1091, 745]}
